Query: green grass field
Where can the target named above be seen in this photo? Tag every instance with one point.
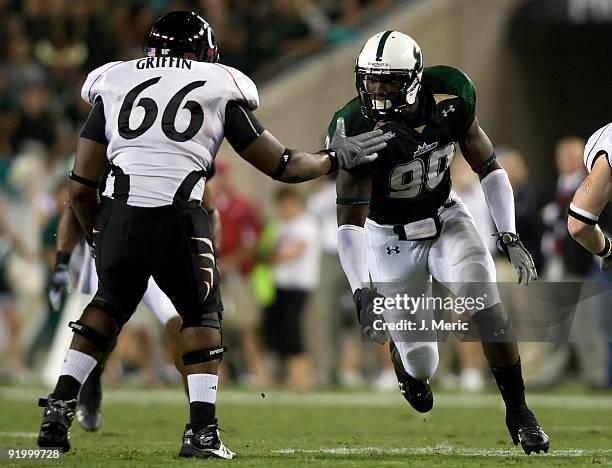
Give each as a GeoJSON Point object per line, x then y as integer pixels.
{"type": "Point", "coordinates": [144, 428]}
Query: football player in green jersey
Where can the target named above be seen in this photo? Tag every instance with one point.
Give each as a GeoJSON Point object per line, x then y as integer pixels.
{"type": "Point", "coordinates": [400, 222]}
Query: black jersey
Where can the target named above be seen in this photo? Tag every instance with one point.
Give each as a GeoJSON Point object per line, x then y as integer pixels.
{"type": "Point", "coordinates": [411, 177]}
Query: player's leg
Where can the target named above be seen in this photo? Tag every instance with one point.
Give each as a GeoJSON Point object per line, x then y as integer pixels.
{"type": "Point", "coordinates": [186, 271]}
{"type": "Point", "coordinates": [460, 260]}
{"type": "Point", "coordinates": [122, 284]}
{"type": "Point", "coordinates": [88, 412]}
{"type": "Point", "coordinates": [161, 306]}
{"type": "Point", "coordinates": [400, 267]}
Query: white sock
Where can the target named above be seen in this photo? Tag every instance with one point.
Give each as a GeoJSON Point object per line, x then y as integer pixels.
{"type": "Point", "coordinates": [78, 365]}
{"type": "Point", "coordinates": [202, 387]}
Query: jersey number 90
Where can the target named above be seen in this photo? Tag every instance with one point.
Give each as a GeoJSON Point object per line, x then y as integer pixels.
{"type": "Point", "coordinates": [407, 179]}
{"type": "Point", "coordinates": [168, 117]}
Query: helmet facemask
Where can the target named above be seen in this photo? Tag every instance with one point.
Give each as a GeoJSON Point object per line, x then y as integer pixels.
{"type": "Point", "coordinates": [386, 105]}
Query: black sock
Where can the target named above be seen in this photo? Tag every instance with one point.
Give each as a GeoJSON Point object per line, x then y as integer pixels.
{"type": "Point", "coordinates": [510, 383]}
{"type": "Point", "coordinates": [91, 391]}
{"type": "Point", "coordinates": [201, 414]}
{"type": "Point", "coordinates": [67, 388]}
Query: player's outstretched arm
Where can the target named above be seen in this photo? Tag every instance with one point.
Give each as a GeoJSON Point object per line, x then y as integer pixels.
{"type": "Point", "coordinates": [589, 201]}
{"type": "Point", "coordinates": [478, 152]}
{"type": "Point", "coordinates": [89, 165]}
{"type": "Point", "coordinates": [260, 148]}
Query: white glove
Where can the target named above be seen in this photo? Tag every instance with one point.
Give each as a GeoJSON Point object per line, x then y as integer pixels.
{"type": "Point", "coordinates": [519, 256]}
{"type": "Point", "coordinates": [356, 150]}
{"type": "Point", "coordinates": [60, 281]}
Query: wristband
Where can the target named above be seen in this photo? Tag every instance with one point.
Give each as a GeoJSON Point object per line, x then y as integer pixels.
{"type": "Point", "coordinates": [282, 164]}
{"type": "Point", "coordinates": [607, 250]}
{"type": "Point", "coordinates": [62, 258]}
{"type": "Point", "coordinates": [333, 160]}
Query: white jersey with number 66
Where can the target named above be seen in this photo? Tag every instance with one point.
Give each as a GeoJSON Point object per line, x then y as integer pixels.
{"type": "Point", "coordinates": [164, 119]}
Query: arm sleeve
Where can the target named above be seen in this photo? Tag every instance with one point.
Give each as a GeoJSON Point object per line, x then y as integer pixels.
{"type": "Point", "coordinates": [351, 249]}
{"type": "Point", "coordinates": [241, 127]}
{"type": "Point", "coordinates": [94, 128]}
{"type": "Point", "coordinates": [500, 198]}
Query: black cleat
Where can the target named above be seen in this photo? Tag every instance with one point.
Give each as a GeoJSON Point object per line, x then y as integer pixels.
{"type": "Point", "coordinates": [88, 412]}
{"type": "Point", "coordinates": [204, 443]}
{"type": "Point", "coordinates": [55, 427]}
{"type": "Point", "coordinates": [524, 428]}
{"type": "Point", "coordinates": [416, 392]}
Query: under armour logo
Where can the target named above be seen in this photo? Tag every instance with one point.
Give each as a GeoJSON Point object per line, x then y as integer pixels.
{"type": "Point", "coordinates": [395, 249]}
{"type": "Point", "coordinates": [448, 110]}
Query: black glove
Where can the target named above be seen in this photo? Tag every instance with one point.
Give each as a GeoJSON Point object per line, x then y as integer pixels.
{"type": "Point", "coordinates": [364, 301]}
{"type": "Point", "coordinates": [60, 280]}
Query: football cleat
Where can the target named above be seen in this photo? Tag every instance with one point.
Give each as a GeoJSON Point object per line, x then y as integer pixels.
{"type": "Point", "coordinates": [524, 429]}
{"type": "Point", "coordinates": [88, 412]}
{"type": "Point", "coordinates": [416, 392]}
{"type": "Point", "coordinates": [57, 418]}
{"type": "Point", "coordinates": [204, 443]}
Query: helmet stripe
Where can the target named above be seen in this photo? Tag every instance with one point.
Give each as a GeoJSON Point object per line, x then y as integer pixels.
{"type": "Point", "coordinates": [381, 45]}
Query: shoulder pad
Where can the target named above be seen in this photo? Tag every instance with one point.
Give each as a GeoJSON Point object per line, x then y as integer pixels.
{"type": "Point", "coordinates": [242, 88]}
{"type": "Point", "coordinates": [91, 88]}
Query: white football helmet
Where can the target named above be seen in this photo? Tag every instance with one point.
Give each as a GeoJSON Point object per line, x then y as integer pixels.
{"type": "Point", "coordinates": [393, 56]}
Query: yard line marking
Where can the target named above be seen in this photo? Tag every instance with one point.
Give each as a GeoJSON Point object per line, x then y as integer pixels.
{"type": "Point", "coordinates": [24, 435]}
{"type": "Point", "coordinates": [442, 449]}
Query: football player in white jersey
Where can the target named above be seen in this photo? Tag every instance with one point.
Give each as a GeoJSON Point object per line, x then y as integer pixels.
{"type": "Point", "coordinates": [69, 233]}
{"type": "Point", "coordinates": [158, 121]}
{"type": "Point", "coordinates": [592, 197]}
{"type": "Point", "coordinates": [402, 227]}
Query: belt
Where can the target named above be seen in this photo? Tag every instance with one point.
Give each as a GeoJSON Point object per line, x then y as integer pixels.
{"type": "Point", "coordinates": [422, 229]}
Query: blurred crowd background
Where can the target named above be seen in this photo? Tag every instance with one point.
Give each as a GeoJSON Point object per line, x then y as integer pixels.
{"type": "Point", "coordinates": [289, 318]}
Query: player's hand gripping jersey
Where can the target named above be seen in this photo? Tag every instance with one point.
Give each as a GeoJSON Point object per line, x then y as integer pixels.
{"type": "Point", "coordinates": [411, 177]}
{"type": "Point", "coordinates": [164, 119]}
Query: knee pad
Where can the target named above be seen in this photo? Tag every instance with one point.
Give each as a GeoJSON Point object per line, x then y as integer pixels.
{"type": "Point", "coordinates": [420, 360]}
{"type": "Point", "coordinates": [493, 324]}
{"type": "Point", "coordinates": [101, 342]}
{"type": "Point", "coordinates": [201, 356]}
{"type": "Point", "coordinates": [210, 320]}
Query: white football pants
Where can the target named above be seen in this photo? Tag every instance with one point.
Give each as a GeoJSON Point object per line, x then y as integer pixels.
{"type": "Point", "coordinates": [458, 259]}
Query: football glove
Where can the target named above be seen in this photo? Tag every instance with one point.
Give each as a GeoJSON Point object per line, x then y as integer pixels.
{"type": "Point", "coordinates": [519, 256]}
{"type": "Point", "coordinates": [61, 281]}
{"type": "Point", "coordinates": [355, 150]}
{"type": "Point", "coordinates": [364, 301]}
